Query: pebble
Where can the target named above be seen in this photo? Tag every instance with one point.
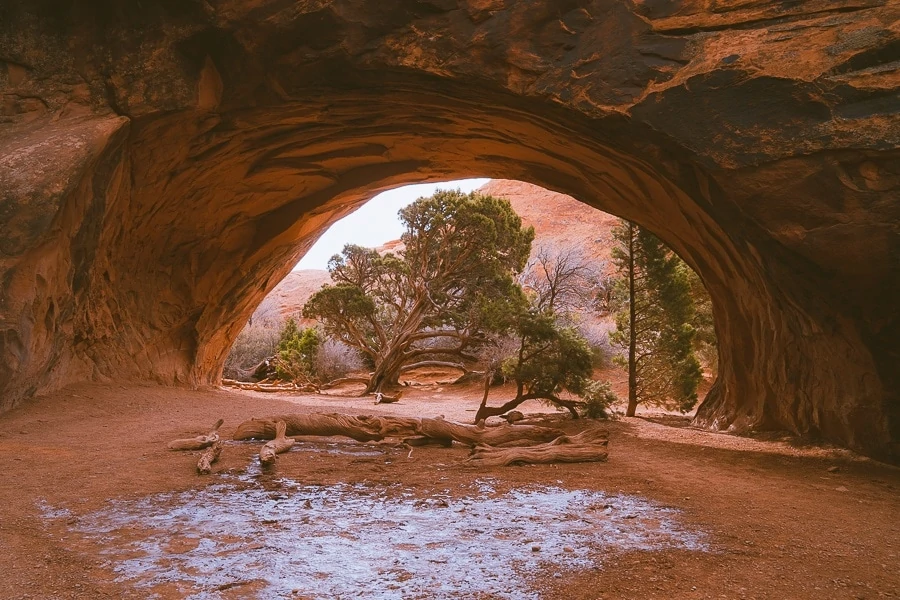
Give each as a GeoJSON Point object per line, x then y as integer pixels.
{"type": "Point", "coordinates": [535, 548]}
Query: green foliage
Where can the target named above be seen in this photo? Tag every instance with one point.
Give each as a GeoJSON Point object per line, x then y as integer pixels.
{"type": "Point", "coordinates": [295, 356]}
{"type": "Point", "coordinates": [453, 282]}
{"type": "Point", "coordinates": [255, 342]}
{"type": "Point", "coordinates": [654, 322]}
{"type": "Point", "coordinates": [598, 398]}
{"type": "Point", "coordinates": [550, 358]}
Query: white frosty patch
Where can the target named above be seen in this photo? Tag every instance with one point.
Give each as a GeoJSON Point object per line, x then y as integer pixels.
{"type": "Point", "coordinates": [371, 541]}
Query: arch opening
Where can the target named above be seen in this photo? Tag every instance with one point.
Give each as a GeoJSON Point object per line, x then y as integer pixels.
{"type": "Point", "coordinates": [573, 241]}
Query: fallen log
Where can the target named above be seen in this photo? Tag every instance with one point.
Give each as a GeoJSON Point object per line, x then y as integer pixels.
{"type": "Point", "coordinates": [268, 387]}
{"type": "Point", "coordinates": [364, 428]}
{"type": "Point", "coordinates": [208, 457]}
{"type": "Point", "coordinates": [273, 448]}
{"type": "Point", "coordinates": [587, 446]}
{"type": "Point", "coordinates": [200, 442]}
{"type": "Point", "coordinates": [367, 428]}
{"type": "Point", "coordinates": [488, 436]}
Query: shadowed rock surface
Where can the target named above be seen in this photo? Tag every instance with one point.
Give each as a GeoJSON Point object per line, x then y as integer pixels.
{"type": "Point", "coordinates": [164, 164]}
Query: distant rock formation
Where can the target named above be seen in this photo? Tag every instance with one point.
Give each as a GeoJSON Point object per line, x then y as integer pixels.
{"type": "Point", "coordinates": [560, 221]}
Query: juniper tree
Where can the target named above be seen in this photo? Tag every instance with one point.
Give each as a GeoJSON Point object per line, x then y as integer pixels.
{"type": "Point", "coordinates": [653, 324]}
{"type": "Point", "coordinates": [438, 298]}
{"type": "Point", "coordinates": [545, 355]}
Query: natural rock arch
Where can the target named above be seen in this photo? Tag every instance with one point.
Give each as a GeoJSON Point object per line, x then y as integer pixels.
{"type": "Point", "coordinates": [163, 165]}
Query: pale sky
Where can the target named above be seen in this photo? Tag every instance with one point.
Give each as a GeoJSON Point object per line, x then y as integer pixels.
{"type": "Point", "coordinates": [376, 222]}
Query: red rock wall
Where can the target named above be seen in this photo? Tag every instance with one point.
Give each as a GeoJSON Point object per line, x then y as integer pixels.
{"type": "Point", "coordinates": [162, 165]}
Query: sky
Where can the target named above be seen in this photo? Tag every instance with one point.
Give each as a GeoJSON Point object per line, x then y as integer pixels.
{"type": "Point", "coordinates": [376, 222]}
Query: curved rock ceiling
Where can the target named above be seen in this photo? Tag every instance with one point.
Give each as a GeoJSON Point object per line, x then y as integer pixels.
{"type": "Point", "coordinates": [164, 163]}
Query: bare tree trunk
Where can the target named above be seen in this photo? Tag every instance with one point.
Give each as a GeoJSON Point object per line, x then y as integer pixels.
{"type": "Point", "coordinates": [570, 405]}
{"type": "Point", "coordinates": [632, 334]}
{"type": "Point", "coordinates": [488, 376]}
{"type": "Point", "coordinates": [485, 411]}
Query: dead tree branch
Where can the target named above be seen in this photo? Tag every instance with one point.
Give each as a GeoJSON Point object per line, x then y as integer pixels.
{"type": "Point", "coordinates": [273, 448]}
{"type": "Point", "coordinates": [200, 442]}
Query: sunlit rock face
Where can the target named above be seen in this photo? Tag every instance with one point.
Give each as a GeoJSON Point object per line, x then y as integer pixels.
{"type": "Point", "coordinates": [163, 164]}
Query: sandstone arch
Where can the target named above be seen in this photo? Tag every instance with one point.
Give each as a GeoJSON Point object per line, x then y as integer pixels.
{"type": "Point", "coordinates": [162, 165]}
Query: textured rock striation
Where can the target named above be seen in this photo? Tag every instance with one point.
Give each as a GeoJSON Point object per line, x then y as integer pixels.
{"type": "Point", "coordinates": [163, 164]}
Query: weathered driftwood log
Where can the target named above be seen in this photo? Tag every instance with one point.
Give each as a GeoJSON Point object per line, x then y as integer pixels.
{"type": "Point", "coordinates": [489, 436]}
{"type": "Point", "coordinates": [587, 446]}
{"type": "Point", "coordinates": [363, 428]}
{"type": "Point", "coordinates": [268, 387]}
{"type": "Point", "coordinates": [200, 442]}
{"type": "Point", "coordinates": [273, 448]}
{"type": "Point", "coordinates": [375, 428]}
{"type": "Point", "coordinates": [208, 457]}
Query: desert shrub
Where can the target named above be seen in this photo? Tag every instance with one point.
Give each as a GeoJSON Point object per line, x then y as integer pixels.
{"type": "Point", "coordinates": [596, 332]}
{"type": "Point", "coordinates": [297, 352]}
{"type": "Point", "coordinates": [254, 344]}
{"type": "Point", "coordinates": [336, 359]}
{"type": "Point", "coordinates": [598, 397]}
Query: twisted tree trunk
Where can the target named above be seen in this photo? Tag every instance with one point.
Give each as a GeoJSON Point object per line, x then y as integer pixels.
{"type": "Point", "coordinates": [587, 446]}
{"type": "Point", "coordinates": [375, 428]}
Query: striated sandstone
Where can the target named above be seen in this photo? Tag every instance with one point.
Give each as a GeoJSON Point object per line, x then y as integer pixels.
{"type": "Point", "coordinates": [163, 164]}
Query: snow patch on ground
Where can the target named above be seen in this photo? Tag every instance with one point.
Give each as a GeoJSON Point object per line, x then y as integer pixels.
{"type": "Point", "coordinates": [284, 539]}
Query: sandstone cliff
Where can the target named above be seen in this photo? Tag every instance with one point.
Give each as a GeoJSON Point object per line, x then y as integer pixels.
{"type": "Point", "coordinates": [559, 221]}
{"type": "Point", "coordinates": [162, 164]}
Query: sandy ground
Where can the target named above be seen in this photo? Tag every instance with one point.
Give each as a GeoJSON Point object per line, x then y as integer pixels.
{"type": "Point", "coordinates": [778, 519]}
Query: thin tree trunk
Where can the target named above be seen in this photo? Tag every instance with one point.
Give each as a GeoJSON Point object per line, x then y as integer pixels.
{"type": "Point", "coordinates": [488, 376]}
{"type": "Point", "coordinates": [632, 335]}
